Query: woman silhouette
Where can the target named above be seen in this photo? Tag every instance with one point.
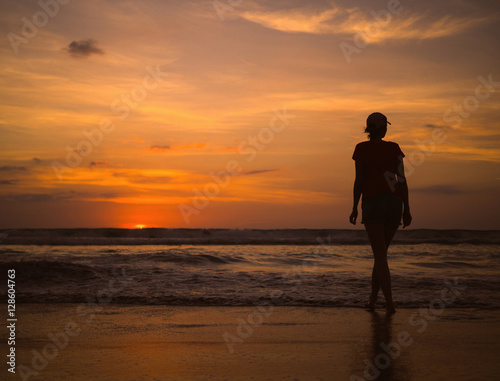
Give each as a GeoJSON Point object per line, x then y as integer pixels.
{"type": "Point", "coordinates": [381, 180]}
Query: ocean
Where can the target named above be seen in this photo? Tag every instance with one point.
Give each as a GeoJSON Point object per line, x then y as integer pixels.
{"type": "Point", "coordinates": [335, 271]}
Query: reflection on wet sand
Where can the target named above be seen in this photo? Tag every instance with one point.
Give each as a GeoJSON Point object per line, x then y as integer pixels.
{"type": "Point", "coordinates": [384, 358]}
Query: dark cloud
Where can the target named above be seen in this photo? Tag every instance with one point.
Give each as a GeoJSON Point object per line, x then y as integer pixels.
{"type": "Point", "coordinates": [7, 182]}
{"type": "Point", "coordinates": [29, 197]}
{"type": "Point", "coordinates": [443, 127]}
{"type": "Point", "coordinates": [140, 179]}
{"type": "Point", "coordinates": [84, 48]}
{"type": "Point", "coordinates": [37, 160]}
{"type": "Point", "coordinates": [440, 189]}
{"type": "Point", "coordinates": [12, 168]}
{"type": "Point", "coordinates": [47, 197]}
{"type": "Point", "coordinates": [260, 171]}
{"type": "Point", "coordinates": [488, 138]}
{"type": "Point", "coordinates": [150, 180]}
{"type": "Point", "coordinates": [101, 164]}
{"type": "Point", "coordinates": [159, 148]}
{"type": "Point", "coordinates": [110, 195]}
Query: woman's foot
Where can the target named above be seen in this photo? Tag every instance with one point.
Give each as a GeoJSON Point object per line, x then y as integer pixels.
{"type": "Point", "coordinates": [389, 308]}
{"type": "Point", "coordinates": [371, 303]}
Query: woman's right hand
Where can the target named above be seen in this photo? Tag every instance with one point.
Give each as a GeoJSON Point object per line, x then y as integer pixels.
{"type": "Point", "coordinates": [353, 216]}
{"type": "Point", "coordinates": [406, 218]}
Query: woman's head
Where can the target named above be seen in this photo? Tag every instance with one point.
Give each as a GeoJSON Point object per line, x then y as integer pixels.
{"type": "Point", "coordinates": [376, 125]}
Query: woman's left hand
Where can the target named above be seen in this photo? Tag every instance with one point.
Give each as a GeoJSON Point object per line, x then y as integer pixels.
{"type": "Point", "coordinates": [353, 216]}
{"type": "Point", "coordinates": [406, 218]}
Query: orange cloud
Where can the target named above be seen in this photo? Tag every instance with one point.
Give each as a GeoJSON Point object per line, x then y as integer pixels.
{"type": "Point", "coordinates": [351, 21]}
{"type": "Point", "coordinates": [229, 149]}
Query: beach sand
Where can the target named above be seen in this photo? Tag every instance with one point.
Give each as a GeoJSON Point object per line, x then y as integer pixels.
{"type": "Point", "coordinates": [124, 342]}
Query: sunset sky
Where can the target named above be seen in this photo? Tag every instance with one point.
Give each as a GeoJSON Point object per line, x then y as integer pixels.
{"type": "Point", "coordinates": [125, 113]}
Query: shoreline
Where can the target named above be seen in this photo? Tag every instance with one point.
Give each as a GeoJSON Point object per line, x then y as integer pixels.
{"type": "Point", "coordinates": [380, 308]}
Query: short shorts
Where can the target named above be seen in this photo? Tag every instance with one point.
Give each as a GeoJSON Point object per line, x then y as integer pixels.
{"type": "Point", "coordinates": [382, 207]}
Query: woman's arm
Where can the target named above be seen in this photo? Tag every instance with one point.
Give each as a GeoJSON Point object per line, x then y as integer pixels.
{"type": "Point", "coordinates": [403, 183]}
{"type": "Point", "coordinates": [358, 186]}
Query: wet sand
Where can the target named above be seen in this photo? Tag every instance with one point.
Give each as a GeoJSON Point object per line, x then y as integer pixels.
{"type": "Point", "coordinates": [124, 342]}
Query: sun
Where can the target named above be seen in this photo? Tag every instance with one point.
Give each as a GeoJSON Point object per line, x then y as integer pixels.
{"type": "Point", "coordinates": [140, 226]}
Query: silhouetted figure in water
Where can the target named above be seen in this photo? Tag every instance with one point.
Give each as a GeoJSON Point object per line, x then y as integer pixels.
{"type": "Point", "coordinates": [380, 179]}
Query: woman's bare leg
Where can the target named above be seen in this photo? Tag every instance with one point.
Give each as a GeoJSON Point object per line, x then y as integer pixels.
{"type": "Point", "coordinates": [380, 237]}
{"type": "Point", "coordinates": [375, 289]}
{"type": "Point", "coordinates": [389, 233]}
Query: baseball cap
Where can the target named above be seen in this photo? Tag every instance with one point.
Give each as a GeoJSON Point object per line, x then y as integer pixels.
{"type": "Point", "coordinates": [376, 118]}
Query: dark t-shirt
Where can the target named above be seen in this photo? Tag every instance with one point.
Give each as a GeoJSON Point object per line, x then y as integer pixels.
{"type": "Point", "coordinates": [380, 160]}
